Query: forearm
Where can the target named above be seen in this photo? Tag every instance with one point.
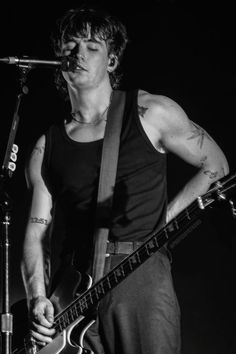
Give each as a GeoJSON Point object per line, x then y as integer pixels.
{"type": "Point", "coordinates": [196, 186]}
{"type": "Point", "coordinates": [32, 267]}
{"type": "Point", "coordinates": [41, 311]}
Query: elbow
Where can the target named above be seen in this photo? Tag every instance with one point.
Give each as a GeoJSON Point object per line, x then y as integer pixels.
{"type": "Point", "coordinates": [226, 168]}
{"type": "Point", "coordinates": [223, 167]}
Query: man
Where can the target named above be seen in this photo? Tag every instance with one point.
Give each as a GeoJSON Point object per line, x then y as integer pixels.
{"type": "Point", "coordinates": [141, 315]}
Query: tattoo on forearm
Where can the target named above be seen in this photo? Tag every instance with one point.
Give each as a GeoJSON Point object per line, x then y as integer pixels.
{"type": "Point", "coordinates": [37, 150]}
{"type": "Point", "coordinates": [142, 110]}
{"type": "Point", "coordinates": [202, 160]}
{"type": "Point", "coordinates": [211, 174]}
{"type": "Point", "coordinates": [38, 220]}
{"type": "Point", "coordinates": [199, 133]}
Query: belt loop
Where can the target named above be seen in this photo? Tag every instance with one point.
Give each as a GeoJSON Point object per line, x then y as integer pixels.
{"type": "Point", "coordinates": [116, 247]}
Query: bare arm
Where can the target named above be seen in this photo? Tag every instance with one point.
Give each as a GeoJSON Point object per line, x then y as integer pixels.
{"type": "Point", "coordinates": [200, 150]}
{"type": "Point", "coordinates": [40, 309]}
{"type": "Point", "coordinates": [174, 132]}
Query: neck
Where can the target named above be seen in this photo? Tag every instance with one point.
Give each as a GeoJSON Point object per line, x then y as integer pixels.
{"type": "Point", "coordinates": [89, 105]}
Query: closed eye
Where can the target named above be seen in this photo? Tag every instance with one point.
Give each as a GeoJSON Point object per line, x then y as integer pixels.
{"type": "Point", "coordinates": [93, 49]}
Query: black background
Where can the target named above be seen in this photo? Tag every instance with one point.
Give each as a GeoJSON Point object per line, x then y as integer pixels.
{"type": "Point", "coordinates": [181, 49]}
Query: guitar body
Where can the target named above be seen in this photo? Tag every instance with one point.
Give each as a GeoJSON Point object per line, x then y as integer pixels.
{"type": "Point", "coordinates": [62, 343]}
{"type": "Point", "coordinates": [73, 284]}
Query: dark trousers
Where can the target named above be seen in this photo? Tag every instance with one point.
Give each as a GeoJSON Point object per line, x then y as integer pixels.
{"type": "Point", "coordinates": [141, 315]}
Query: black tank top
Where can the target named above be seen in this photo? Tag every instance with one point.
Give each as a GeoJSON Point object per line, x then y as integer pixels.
{"type": "Point", "coordinates": [139, 203]}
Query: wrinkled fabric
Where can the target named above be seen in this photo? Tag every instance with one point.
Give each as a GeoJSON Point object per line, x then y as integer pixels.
{"type": "Point", "coordinates": [141, 315]}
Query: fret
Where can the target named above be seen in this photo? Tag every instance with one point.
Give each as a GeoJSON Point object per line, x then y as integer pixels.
{"type": "Point", "coordinates": [134, 260]}
{"type": "Point", "coordinates": [64, 323]}
{"type": "Point", "coordinates": [122, 270]}
{"type": "Point", "coordinates": [108, 282]}
{"type": "Point", "coordinates": [130, 264]}
{"type": "Point", "coordinates": [166, 233]}
{"type": "Point", "coordinates": [187, 213]}
{"type": "Point", "coordinates": [101, 288]}
{"type": "Point", "coordinates": [147, 249]}
{"type": "Point", "coordinates": [138, 257]}
{"type": "Point", "coordinates": [96, 293]}
{"type": "Point", "coordinates": [72, 314]}
{"type": "Point", "coordinates": [176, 224]}
{"type": "Point", "coordinates": [156, 243]}
{"type": "Point", "coordinates": [74, 311]}
{"type": "Point", "coordinates": [170, 227]}
{"type": "Point", "coordinates": [90, 297]}
{"type": "Point", "coordinates": [65, 318]}
{"type": "Point", "coordinates": [112, 279]}
{"type": "Point", "coordinates": [115, 276]}
{"type": "Point", "coordinates": [118, 273]}
{"type": "Point", "coordinates": [83, 304]}
{"type": "Point", "coordinates": [106, 285]}
{"type": "Point", "coordinates": [60, 325]}
{"type": "Point", "coordinates": [152, 246]}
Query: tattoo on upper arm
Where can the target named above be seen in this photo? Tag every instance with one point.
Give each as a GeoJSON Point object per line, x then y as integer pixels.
{"type": "Point", "coordinates": [142, 110]}
{"type": "Point", "coordinates": [38, 150]}
{"type": "Point", "coordinates": [202, 160]}
{"type": "Point", "coordinates": [211, 174]}
{"type": "Point", "coordinates": [38, 220]}
{"type": "Point", "coordinates": [199, 133]}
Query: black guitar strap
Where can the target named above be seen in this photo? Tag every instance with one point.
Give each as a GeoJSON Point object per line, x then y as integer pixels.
{"type": "Point", "coordinates": [107, 179]}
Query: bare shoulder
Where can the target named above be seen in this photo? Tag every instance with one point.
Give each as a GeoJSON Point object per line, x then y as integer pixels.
{"type": "Point", "coordinates": [34, 164]}
{"type": "Point", "coordinates": [161, 118]}
{"type": "Point", "coordinates": [160, 110]}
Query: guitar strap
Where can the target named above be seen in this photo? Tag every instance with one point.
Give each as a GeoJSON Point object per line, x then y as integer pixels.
{"type": "Point", "coordinates": [110, 152]}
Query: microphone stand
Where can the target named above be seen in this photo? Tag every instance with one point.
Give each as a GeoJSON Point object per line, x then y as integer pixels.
{"type": "Point", "coordinates": [8, 168]}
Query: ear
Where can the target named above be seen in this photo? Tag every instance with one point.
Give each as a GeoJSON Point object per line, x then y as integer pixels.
{"type": "Point", "coordinates": [112, 63]}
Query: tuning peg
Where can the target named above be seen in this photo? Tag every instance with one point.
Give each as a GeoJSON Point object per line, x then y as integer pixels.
{"type": "Point", "coordinates": [233, 209]}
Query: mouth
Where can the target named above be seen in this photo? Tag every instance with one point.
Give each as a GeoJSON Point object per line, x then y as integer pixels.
{"type": "Point", "coordinates": [74, 65]}
{"type": "Point", "coordinates": [79, 67]}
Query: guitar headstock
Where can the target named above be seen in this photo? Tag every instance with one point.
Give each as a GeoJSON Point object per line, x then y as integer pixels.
{"type": "Point", "coordinates": [223, 190]}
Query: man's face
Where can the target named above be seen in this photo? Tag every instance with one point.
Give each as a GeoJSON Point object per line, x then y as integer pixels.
{"type": "Point", "coordinates": [90, 61]}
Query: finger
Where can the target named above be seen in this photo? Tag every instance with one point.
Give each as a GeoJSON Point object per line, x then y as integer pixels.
{"type": "Point", "coordinates": [40, 338]}
{"type": "Point", "coordinates": [40, 318]}
{"type": "Point", "coordinates": [49, 313]}
{"type": "Point", "coordinates": [34, 342]}
{"type": "Point", "coordinates": [43, 330]}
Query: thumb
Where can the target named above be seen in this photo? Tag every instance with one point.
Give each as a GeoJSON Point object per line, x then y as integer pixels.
{"type": "Point", "coordinates": [49, 312]}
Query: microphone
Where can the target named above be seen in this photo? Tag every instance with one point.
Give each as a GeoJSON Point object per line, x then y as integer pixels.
{"type": "Point", "coordinates": [25, 61]}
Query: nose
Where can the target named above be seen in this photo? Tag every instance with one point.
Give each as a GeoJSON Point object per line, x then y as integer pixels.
{"type": "Point", "coordinates": [78, 52]}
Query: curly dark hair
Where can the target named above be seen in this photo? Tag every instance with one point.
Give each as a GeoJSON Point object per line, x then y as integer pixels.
{"type": "Point", "coordinates": [100, 25]}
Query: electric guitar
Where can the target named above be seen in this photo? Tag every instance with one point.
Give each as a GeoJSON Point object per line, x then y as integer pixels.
{"type": "Point", "coordinates": [77, 310]}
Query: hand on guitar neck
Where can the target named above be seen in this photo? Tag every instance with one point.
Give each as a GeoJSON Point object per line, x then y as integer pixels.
{"type": "Point", "coordinates": [41, 314]}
